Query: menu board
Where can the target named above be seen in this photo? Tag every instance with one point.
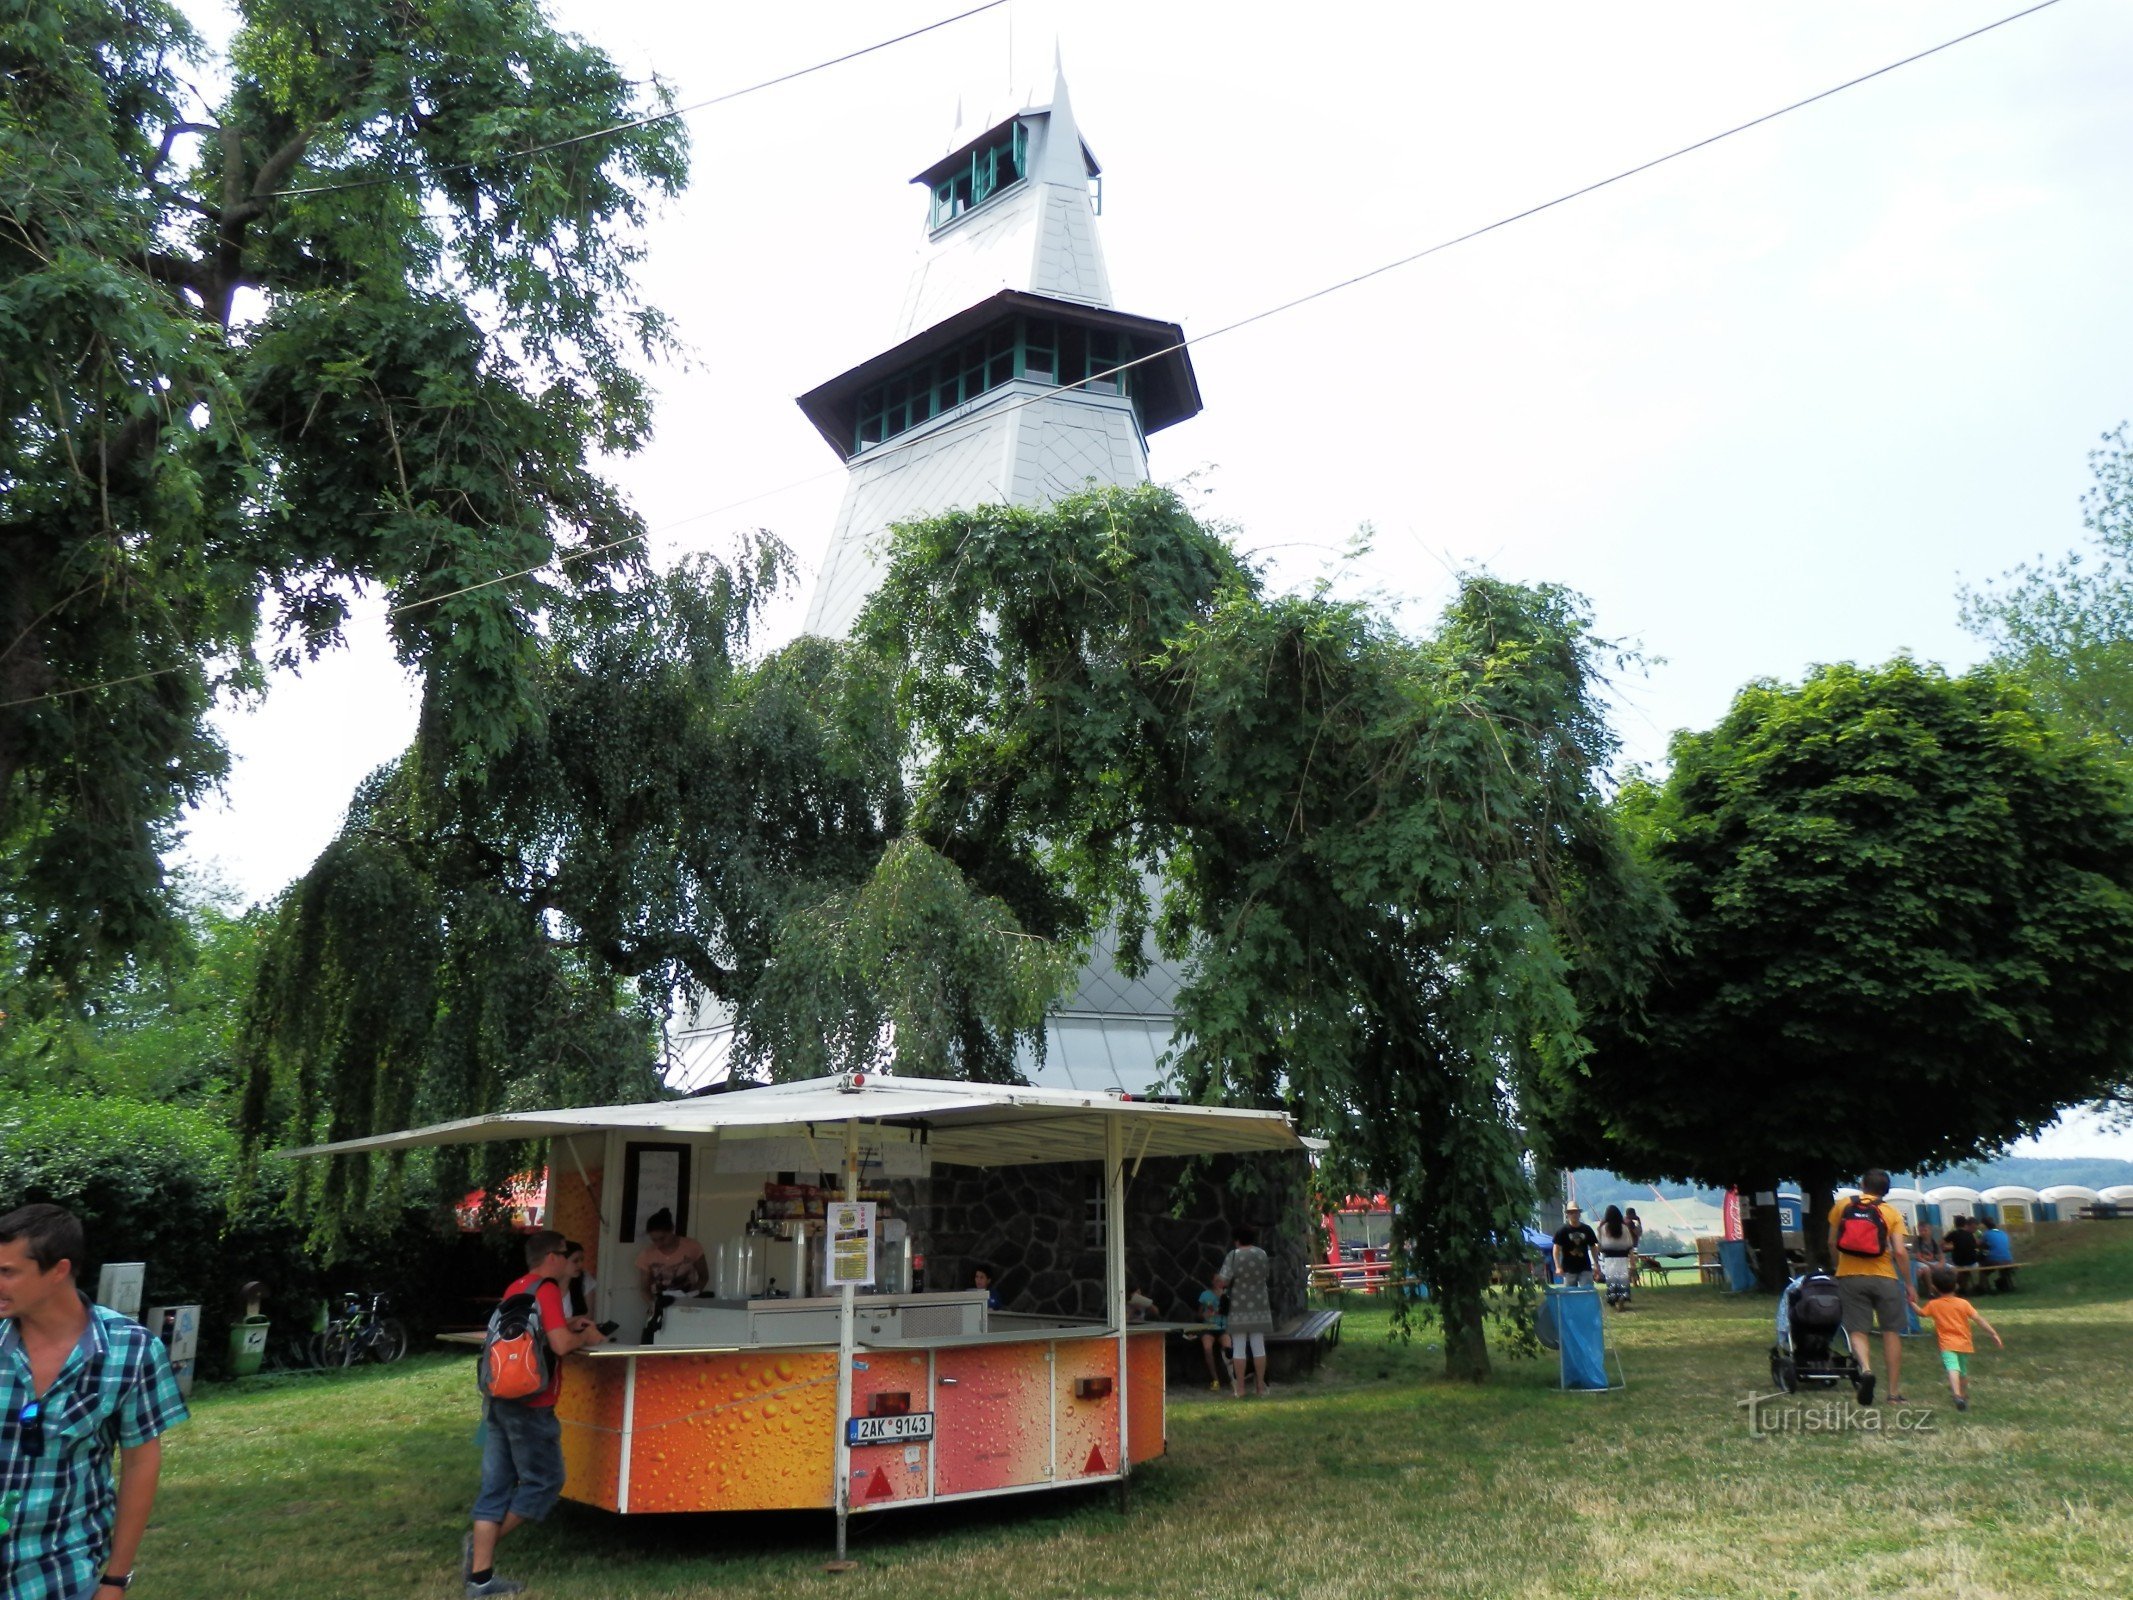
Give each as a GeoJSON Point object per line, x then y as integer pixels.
{"type": "Point", "coordinates": [851, 1243]}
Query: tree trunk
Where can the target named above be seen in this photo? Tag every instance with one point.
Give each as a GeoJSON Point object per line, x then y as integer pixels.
{"type": "Point", "coordinates": [1462, 1311]}
{"type": "Point", "coordinates": [24, 676]}
{"type": "Point", "coordinates": [1765, 1234]}
{"type": "Point", "coordinates": [1817, 1195]}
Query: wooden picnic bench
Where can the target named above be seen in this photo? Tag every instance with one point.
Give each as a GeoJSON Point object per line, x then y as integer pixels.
{"type": "Point", "coordinates": [1998, 1276]}
{"type": "Point", "coordinates": [1297, 1346]}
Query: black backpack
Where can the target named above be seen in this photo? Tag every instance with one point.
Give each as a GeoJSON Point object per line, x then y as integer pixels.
{"type": "Point", "coordinates": [1816, 1305]}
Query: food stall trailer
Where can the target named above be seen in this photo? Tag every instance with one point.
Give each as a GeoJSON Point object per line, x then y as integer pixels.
{"type": "Point", "coordinates": [815, 1372]}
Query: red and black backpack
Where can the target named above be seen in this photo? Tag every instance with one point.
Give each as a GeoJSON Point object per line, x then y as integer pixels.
{"type": "Point", "coordinates": [1862, 1230]}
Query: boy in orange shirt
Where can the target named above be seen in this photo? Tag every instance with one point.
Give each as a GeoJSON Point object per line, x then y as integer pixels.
{"type": "Point", "coordinates": [1952, 1316]}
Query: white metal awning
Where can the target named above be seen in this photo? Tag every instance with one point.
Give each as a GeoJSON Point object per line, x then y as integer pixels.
{"type": "Point", "coordinates": [964, 1124]}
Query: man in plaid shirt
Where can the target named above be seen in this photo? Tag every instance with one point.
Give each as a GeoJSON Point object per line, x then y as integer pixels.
{"type": "Point", "coordinates": [76, 1381]}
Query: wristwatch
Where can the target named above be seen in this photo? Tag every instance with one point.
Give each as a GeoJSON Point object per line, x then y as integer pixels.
{"type": "Point", "coordinates": [112, 1580]}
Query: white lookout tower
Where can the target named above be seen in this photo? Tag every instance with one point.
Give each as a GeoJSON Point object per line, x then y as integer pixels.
{"type": "Point", "coordinates": [989, 396]}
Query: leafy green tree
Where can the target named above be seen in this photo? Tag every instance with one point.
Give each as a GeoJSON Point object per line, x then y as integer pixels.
{"type": "Point", "coordinates": [2067, 630]}
{"type": "Point", "coordinates": [358, 315]}
{"type": "Point", "coordinates": [1379, 855]}
{"type": "Point", "coordinates": [1905, 938]}
{"type": "Point", "coordinates": [162, 1030]}
{"type": "Point", "coordinates": [150, 1182]}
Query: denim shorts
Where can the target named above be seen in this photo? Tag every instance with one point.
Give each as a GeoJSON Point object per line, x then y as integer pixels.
{"type": "Point", "coordinates": [521, 1462]}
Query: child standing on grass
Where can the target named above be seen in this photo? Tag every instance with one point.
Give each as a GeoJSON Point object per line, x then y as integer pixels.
{"type": "Point", "coordinates": [1952, 1316]}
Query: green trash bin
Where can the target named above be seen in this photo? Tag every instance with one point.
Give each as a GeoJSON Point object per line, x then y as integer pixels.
{"type": "Point", "coordinates": [248, 1346]}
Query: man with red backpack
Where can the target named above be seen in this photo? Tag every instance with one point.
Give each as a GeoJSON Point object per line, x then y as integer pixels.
{"type": "Point", "coordinates": [521, 1376]}
{"type": "Point", "coordinates": [1873, 1278]}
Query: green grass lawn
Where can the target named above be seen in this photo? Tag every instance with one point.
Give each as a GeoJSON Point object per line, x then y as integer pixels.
{"type": "Point", "coordinates": [1377, 1478]}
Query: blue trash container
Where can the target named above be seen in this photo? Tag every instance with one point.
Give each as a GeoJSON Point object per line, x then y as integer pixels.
{"type": "Point", "coordinates": [1581, 1334]}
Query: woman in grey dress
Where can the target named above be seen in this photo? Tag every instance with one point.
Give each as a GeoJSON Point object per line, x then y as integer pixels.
{"type": "Point", "coordinates": [1244, 1276]}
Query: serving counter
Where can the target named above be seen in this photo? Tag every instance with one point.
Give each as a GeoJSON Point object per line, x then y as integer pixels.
{"type": "Point", "coordinates": [668, 1428]}
{"type": "Point", "coordinates": [702, 1321]}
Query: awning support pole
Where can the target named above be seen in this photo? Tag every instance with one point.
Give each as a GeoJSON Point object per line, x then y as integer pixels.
{"type": "Point", "coordinates": [845, 1343]}
{"type": "Point", "coordinates": [570, 1143]}
{"type": "Point", "coordinates": [1115, 1273]}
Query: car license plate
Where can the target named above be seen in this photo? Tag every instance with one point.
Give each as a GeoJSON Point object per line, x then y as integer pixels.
{"type": "Point", "coordinates": [890, 1430]}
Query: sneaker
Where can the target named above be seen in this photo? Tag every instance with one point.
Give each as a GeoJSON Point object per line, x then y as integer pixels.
{"type": "Point", "coordinates": [1866, 1389]}
{"type": "Point", "coordinates": [1961, 1404]}
{"type": "Point", "coordinates": [1214, 1385]}
{"type": "Point", "coordinates": [497, 1584]}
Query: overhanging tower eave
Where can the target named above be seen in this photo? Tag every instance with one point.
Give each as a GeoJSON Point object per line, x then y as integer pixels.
{"type": "Point", "coordinates": [1166, 390]}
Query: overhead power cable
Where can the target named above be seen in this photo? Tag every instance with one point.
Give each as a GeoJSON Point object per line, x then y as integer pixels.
{"type": "Point", "coordinates": [1291, 304]}
{"type": "Point", "coordinates": [527, 154]}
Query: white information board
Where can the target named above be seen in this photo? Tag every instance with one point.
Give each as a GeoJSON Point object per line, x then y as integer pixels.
{"type": "Point", "coordinates": [851, 1243]}
{"type": "Point", "coordinates": [118, 1287]}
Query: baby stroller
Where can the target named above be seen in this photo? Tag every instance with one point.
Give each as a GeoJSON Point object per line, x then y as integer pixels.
{"type": "Point", "coordinates": [1811, 1347]}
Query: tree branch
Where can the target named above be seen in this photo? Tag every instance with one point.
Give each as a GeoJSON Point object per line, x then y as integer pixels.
{"type": "Point", "coordinates": [177, 271]}
{"type": "Point", "coordinates": [171, 135]}
{"type": "Point", "coordinates": [276, 166]}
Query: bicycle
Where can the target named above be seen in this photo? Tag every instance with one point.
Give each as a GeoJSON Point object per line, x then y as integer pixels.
{"type": "Point", "coordinates": [362, 1331]}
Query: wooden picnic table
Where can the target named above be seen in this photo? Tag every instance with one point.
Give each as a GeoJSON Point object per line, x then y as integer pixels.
{"type": "Point", "coordinates": [1368, 1276]}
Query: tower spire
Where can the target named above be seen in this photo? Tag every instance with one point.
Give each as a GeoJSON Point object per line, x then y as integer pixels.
{"type": "Point", "coordinates": [1064, 158]}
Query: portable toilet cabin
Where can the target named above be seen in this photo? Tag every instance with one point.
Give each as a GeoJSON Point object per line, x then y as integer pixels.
{"type": "Point", "coordinates": [2015, 1203]}
{"type": "Point", "coordinates": [1792, 1212]}
{"type": "Point", "coordinates": [2059, 1202]}
{"type": "Point", "coordinates": [1952, 1201]}
{"type": "Point", "coordinates": [2116, 1194]}
{"type": "Point", "coordinates": [1907, 1203]}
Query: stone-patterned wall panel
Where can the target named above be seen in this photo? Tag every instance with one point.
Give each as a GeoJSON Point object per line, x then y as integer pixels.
{"type": "Point", "coordinates": [1033, 1226]}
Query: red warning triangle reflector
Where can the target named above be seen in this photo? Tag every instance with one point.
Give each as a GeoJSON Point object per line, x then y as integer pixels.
{"type": "Point", "coordinates": [878, 1486]}
{"type": "Point", "coordinates": [1096, 1460]}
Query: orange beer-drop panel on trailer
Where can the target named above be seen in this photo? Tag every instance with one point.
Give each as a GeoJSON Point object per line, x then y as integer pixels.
{"type": "Point", "coordinates": [1085, 1409]}
{"type": "Point", "coordinates": [891, 1383]}
{"type": "Point", "coordinates": [734, 1432]}
{"type": "Point", "coordinates": [992, 1424]}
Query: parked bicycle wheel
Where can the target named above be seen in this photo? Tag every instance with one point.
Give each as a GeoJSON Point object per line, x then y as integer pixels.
{"type": "Point", "coordinates": [338, 1348]}
{"type": "Point", "coordinates": [388, 1339]}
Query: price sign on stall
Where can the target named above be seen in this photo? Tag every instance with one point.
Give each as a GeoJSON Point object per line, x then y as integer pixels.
{"type": "Point", "coordinates": [851, 1243]}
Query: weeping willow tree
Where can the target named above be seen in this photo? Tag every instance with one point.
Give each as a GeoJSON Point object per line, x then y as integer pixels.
{"type": "Point", "coordinates": [682, 822]}
{"type": "Point", "coordinates": [1380, 857]}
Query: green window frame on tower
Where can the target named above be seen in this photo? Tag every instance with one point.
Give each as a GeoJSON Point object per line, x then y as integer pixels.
{"type": "Point", "coordinates": [996, 165]}
{"type": "Point", "coordinates": [1038, 349]}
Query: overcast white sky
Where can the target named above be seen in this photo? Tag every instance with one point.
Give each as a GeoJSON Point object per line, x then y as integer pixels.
{"type": "Point", "coordinates": [1768, 406]}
